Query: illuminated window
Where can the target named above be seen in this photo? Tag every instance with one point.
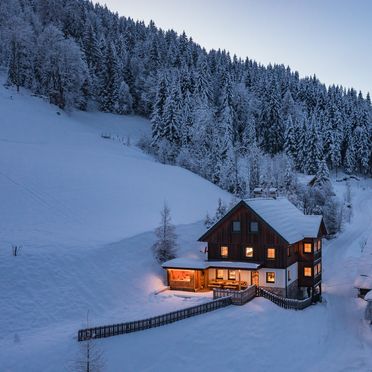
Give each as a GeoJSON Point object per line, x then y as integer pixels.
{"type": "Point", "coordinates": [224, 251]}
{"type": "Point", "coordinates": [317, 245]}
{"type": "Point", "coordinates": [270, 277]}
{"type": "Point", "coordinates": [248, 251]}
{"type": "Point", "coordinates": [232, 274]}
{"type": "Point", "coordinates": [289, 275]}
{"type": "Point", "coordinates": [219, 274]}
{"type": "Point", "coordinates": [307, 271]}
{"type": "Point", "coordinates": [181, 275]}
{"type": "Point", "coordinates": [317, 269]}
{"type": "Point", "coordinates": [307, 248]}
{"type": "Point", "coordinates": [253, 227]}
{"type": "Point", "coordinates": [271, 253]}
{"type": "Point", "coordinates": [236, 226]}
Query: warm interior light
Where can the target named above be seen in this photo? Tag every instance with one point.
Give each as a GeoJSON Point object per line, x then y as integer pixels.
{"type": "Point", "coordinates": [270, 252]}
{"type": "Point", "coordinates": [249, 252]}
{"type": "Point", "coordinates": [307, 248]}
{"type": "Point", "coordinates": [307, 271]}
{"type": "Point", "coordinates": [224, 251]}
{"type": "Point", "coordinates": [181, 275]}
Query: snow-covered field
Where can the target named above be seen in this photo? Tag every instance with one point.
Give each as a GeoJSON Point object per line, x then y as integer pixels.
{"type": "Point", "coordinates": [84, 207]}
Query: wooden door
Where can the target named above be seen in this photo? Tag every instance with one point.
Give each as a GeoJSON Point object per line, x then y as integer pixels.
{"type": "Point", "coordinates": [255, 278]}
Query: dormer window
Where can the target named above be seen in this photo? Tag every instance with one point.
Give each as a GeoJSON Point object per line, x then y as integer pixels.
{"type": "Point", "coordinates": [236, 226]}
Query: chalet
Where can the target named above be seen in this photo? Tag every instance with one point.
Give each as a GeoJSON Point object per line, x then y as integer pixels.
{"type": "Point", "coordinates": [266, 242]}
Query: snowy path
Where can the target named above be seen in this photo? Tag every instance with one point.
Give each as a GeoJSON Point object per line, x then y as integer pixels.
{"type": "Point", "coordinates": [342, 262]}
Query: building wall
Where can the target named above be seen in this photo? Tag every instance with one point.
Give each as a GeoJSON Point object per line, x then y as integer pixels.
{"type": "Point", "coordinates": [279, 278]}
{"type": "Point", "coordinates": [266, 237]}
{"type": "Point", "coordinates": [245, 275]}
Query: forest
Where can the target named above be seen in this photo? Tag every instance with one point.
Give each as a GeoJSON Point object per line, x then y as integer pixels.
{"type": "Point", "coordinates": [233, 121]}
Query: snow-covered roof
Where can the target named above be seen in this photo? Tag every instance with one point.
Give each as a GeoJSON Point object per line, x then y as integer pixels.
{"type": "Point", "coordinates": [368, 296]}
{"type": "Point", "coordinates": [363, 282]}
{"type": "Point", "coordinates": [197, 264]}
{"type": "Point", "coordinates": [305, 179]}
{"type": "Point", "coordinates": [285, 218]}
{"type": "Point", "coordinates": [234, 265]}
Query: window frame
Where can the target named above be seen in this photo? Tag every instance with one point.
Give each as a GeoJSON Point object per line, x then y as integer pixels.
{"type": "Point", "coordinates": [220, 277]}
{"type": "Point", "coordinates": [267, 277]}
{"type": "Point", "coordinates": [232, 226]}
{"type": "Point", "coordinates": [311, 271]}
{"type": "Point", "coordinates": [267, 253]}
{"type": "Point", "coordinates": [228, 274]}
{"type": "Point", "coordinates": [227, 250]}
{"type": "Point", "coordinates": [245, 252]}
{"type": "Point", "coordinates": [250, 227]}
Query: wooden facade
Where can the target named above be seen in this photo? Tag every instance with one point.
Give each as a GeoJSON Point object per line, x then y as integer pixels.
{"type": "Point", "coordinates": [225, 233]}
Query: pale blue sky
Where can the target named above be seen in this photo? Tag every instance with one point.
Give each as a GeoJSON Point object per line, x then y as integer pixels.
{"type": "Point", "coordinates": [331, 38]}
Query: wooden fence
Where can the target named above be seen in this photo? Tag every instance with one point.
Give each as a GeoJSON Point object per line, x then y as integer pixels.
{"type": "Point", "coordinates": [237, 297]}
{"type": "Point", "coordinates": [156, 321]}
{"type": "Point", "coordinates": [286, 303]}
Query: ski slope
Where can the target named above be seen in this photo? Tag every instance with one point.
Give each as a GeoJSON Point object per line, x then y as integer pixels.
{"type": "Point", "coordinates": [84, 208]}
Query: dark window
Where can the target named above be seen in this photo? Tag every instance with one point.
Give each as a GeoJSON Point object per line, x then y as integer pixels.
{"type": "Point", "coordinates": [289, 275]}
{"type": "Point", "coordinates": [236, 226]}
{"type": "Point", "coordinates": [270, 277]}
{"type": "Point", "coordinates": [232, 274]}
{"type": "Point", "coordinates": [253, 227]}
{"type": "Point", "coordinates": [289, 251]}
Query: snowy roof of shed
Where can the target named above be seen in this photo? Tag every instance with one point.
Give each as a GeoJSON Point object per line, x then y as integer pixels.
{"type": "Point", "coordinates": [368, 296]}
{"type": "Point", "coordinates": [198, 264]}
{"type": "Point", "coordinates": [363, 282]}
{"type": "Point", "coordinates": [286, 219]}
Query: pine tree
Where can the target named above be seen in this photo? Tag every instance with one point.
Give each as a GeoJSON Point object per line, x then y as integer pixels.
{"type": "Point", "coordinates": [313, 149]}
{"type": "Point", "coordinates": [125, 101]}
{"type": "Point", "coordinates": [157, 117]}
{"type": "Point", "coordinates": [109, 83]}
{"type": "Point", "coordinates": [322, 174]}
{"type": "Point", "coordinates": [165, 247]}
{"type": "Point", "coordinates": [290, 143]}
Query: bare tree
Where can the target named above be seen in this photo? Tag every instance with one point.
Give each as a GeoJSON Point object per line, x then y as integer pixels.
{"type": "Point", "coordinates": [165, 247]}
{"type": "Point", "coordinates": [90, 358]}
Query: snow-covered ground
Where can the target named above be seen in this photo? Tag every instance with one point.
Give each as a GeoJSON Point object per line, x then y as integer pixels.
{"type": "Point", "coordinates": [84, 207]}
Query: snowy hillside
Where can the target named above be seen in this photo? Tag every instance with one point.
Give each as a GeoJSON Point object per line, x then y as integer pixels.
{"type": "Point", "coordinates": [84, 207]}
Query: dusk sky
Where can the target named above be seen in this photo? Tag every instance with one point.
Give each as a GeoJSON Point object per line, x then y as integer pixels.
{"type": "Point", "coordinates": [331, 38]}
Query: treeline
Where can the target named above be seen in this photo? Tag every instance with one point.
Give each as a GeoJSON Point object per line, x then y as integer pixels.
{"type": "Point", "coordinates": [235, 122]}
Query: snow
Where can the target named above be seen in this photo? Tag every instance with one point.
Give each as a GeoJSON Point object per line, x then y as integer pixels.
{"type": "Point", "coordinates": [368, 296]}
{"type": "Point", "coordinates": [185, 263]}
{"type": "Point", "coordinates": [189, 263]}
{"type": "Point", "coordinates": [285, 218]}
{"type": "Point", "coordinates": [363, 282]}
{"type": "Point", "coordinates": [84, 208]}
